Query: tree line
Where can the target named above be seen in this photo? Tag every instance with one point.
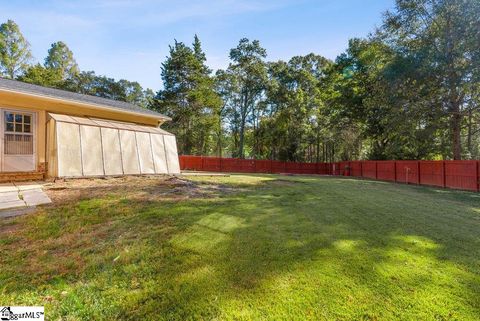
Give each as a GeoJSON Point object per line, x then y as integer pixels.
{"type": "Point", "coordinates": [409, 90]}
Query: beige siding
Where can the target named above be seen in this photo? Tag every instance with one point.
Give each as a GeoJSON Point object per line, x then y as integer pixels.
{"type": "Point", "coordinates": [51, 147]}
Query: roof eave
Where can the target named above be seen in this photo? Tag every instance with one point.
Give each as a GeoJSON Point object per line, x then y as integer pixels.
{"type": "Point", "coordinates": [159, 117]}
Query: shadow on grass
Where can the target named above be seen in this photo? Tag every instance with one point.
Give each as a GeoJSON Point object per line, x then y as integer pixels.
{"type": "Point", "coordinates": [291, 246]}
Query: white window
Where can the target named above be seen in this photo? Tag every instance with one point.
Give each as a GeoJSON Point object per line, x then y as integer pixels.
{"type": "Point", "coordinates": [18, 133]}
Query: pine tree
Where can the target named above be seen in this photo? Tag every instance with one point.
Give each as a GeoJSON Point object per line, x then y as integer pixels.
{"type": "Point", "coordinates": [189, 97]}
{"type": "Point", "coordinates": [60, 59]}
{"type": "Point", "coordinates": [14, 50]}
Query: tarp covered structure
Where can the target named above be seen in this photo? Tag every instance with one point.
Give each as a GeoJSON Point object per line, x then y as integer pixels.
{"type": "Point", "coordinates": [83, 147]}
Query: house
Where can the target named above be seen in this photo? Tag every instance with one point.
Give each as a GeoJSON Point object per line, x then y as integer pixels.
{"type": "Point", "coordinates": [5, 313]}
{"type": "Point", "coordinates": [53, 133]}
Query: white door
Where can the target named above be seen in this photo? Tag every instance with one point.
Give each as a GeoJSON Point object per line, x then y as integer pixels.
{"type": "Point", "coordinates": [18, 141]}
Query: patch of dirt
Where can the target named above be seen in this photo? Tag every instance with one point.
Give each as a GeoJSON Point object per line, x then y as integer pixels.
{"type": "Point", "coordinates": [139, 188]}
{"type": "Point", "coordinates": [9, 229]}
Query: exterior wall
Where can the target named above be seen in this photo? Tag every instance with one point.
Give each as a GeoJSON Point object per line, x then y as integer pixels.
{"type": "Point", "coordinates": [51, 147]}
{"type": "Point", "coordinates": [40, 131]}
{"type": "Point", "coordinates": [41, 141]}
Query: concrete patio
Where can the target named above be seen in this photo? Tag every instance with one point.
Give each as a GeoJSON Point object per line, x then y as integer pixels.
{"type": "Point", "coordinates": [15, 198]}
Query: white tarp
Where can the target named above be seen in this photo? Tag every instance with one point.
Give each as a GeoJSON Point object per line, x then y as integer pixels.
{"type": "Point", "coordinates": [159, 157]}
{"type": "Point", "coordinates": [172, 154]}
{"type": "Point", "coordinates": [145, 153]}
{"type": "Point", "coordinates": [92, 156]}
{"type": "Point", "coordinates": [129, 152]}
{"type": "Point", "coordinates": [112, 154]}
{"type": "Point", "coordinates": [69, 151]}
{"type": "Point", "coordinates": [94, 147]}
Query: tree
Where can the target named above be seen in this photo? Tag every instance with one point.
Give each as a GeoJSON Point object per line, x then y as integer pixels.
{"type": "Point", "coordinates": [371, 96]}
{"type": "Point", "coordinates": [442, 35]}
{"type": "Point", "coordinates": [292, 125]}
{"type": "Point", "coordinates": [14, 50]}
{"type": "Point", "coordinates": [39, 75]}
{"type": "Point", "coordinates": [60, 59]}
{"type": "Point", "coordinates": [189, 97]}
{"type": "Point", "coordinates": [88, 83]}
{"type": "Point", "coordinates": [199, 54]}
{"type": "Point", "coordinates": [225, 88]}
{"type": "Point", "coordinates": [248, 70]}
{"type": "Point", "coordinates": [83, 83]}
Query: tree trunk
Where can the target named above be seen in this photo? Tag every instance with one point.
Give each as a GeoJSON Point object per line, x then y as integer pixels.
{"type": "Point", "coordinates": [219, 134]}
{"type": "Point", "coordinates": [241, 139]}
{"type": "Point", "coordinates": [470, 133]}
{"type": "Point", "coordinates": [187, 148]}
{"type": "Point", "coordinates": [456, 137]}
{"type": "Point", "coordinates": [453, 97]}
{"type": "Point", "coordinates": [219, 144]}
{"type": "Point", "coordinates": [456, 131]}
{"type": "Point", "coordinates": [243, 120]}
{"type": "Point", "coordinates": [254, 149]}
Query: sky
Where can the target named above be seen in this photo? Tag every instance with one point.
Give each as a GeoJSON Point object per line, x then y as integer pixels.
{"type": "Point", "coordinates": [129, 39]}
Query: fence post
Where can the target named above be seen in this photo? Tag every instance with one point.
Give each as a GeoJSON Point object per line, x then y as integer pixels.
{"type": "Point", "coordinates": [221, 167]}
{"type": "Point", "coordinates": [478, 175]}
{"type": "Point", "coordinates": [444, 174]}
{"type": "Point", "coordinates": [395, 170]}
{"type": "Point", "coordinates": [418, 172]}
{"type": "Point", "coordinates": [376, 170]}
{"type": "Point", "coordinates": [361, 168]}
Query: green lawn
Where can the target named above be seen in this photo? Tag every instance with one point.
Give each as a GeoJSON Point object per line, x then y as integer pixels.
{"type": "Point", "coordinates": [248, 248]}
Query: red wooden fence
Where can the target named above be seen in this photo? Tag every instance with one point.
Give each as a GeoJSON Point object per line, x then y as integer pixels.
{"type": "Point", "coordinates": [464, 175]}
